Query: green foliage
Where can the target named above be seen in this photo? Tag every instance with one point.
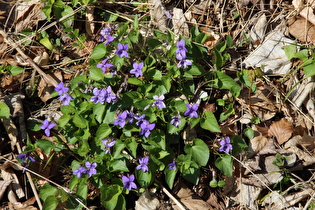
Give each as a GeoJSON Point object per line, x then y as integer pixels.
{"type": "Point", "coordinates": [4, 110]}
{"type": "Point", "coordinates": [89, 124]}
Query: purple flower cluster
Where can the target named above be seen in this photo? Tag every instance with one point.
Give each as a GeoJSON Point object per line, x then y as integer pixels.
{"type": "Point", "coordinates": [102, 95]}
{"type": "Point", "coordinates": [106, 67]}
{"type": "Point", "coordinates": [137, 69]}
{"type": "Point", "coordinates": [181, 55]}
{"type": "Point", "coordinates": [106, 35]}
{"type": "Point", "coordinates": [47, 126]}
{"type": "Point", "coordinates": [144, 124]}
{"type": "Point", "coordinates": [89, 169]}
{"type": "Point", "coordinates": [63, 95]}
{"type": "Point", "coordinates": [129, 182]}
{"type": "Point", "coordinates": [108, 143]}
{"type": "Point", "coordinates": [226, 145]}
{"type": "Point", "coordinates": [26, 159]}
{"type": "Point", "coordinates": [143, 164]}
{"type": "Point", "coordinates": [122, 50]}
{"type": "Point", "coordinates": [159, 101]}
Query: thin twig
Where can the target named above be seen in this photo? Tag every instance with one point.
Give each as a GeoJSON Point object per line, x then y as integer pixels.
{"type": "Point", "coordinates": [42, 177]}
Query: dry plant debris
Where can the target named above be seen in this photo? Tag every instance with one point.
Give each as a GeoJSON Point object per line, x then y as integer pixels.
{"type": "Point", "coordinates": [285, 132]}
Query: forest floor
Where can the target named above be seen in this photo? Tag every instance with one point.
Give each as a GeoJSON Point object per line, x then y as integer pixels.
{"type": "Point", "coordinates": [273, 44]}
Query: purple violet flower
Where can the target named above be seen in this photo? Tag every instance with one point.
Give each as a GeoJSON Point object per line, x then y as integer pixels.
{"type": "Point", "coordinates": [176, 120]}
{"type": "Point", "coordinates": [130, 117]}
{"type": "Point", "coordinates": [169, 14]}
{"type": "Point", "coordinates": [99, 96]}
{"type": "Point", "coordinates": [159, 101]}
{"type": "Point", "coordinates": [110, 97]}
{"type": "Point", "coordinates": [106, 35]}
{"type": "Point", "coordinates": [90, 168]}
{"type": "Point", "coordinates": [129, 182]}
{"type": "Point", "coordinates": [183, 62]}
{"type": "Point", "coordinates": [172, 165]}
{"type": "Point", "coordinates": [143, 164]}
{"type": "Point", "coordinates": [226, 145]}
{"type": "Point", "coordinates": [121, 121]}
{"type": "Point", "coordinates": [65, 98]}
{"type": "Point", "coordinates": [181, 47]}
{"type": "Point", "coordinates": [81, 170]}
{"type": "Point", "coordinates": [137, 69]}
{"type": "Point", "coordinates": [122, 50]}
{"type": "Point", "coordinates": [108, 143]}
{"type": "Point", "coordinates": [26, 159]}
{"type": "Point", "coordinates": [104, 65]}
{"type": "Point", "coordinates": [141, 119]}
{"type": "Point", "coordinates": [47, 126]}
{"type": "Point", "coordinates": [146, 129]}
{"type": "Point", "coordinates": [61, 88]}
{"type": "Point", "coordinates": [191, 110]}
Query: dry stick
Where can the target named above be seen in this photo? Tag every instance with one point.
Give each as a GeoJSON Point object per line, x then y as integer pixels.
{"type": "Point", "coordinates": [9, 41]}
{"type": "Point", "coordinates": [178, 203]}
{"type": "Point", "coordinates": [28, 175]}
{"type": "Point", "coordinates": [40, 176]}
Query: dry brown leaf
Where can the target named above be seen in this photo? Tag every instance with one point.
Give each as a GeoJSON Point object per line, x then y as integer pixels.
{"type": "Point", "coordinates": [259, 141]}
{"type": "Point", "coordinates": [308, 142]}
{"type": "Point", "coordinates": [3, 187]}
{"type": "Point", "coordinates": [189, 199]}
{"type": "Point", "coordinates": [302, 29]}
{"type": "Point", "coordinates": [45, 89]}
{"type": "Point", "coordinates": [282, 130]}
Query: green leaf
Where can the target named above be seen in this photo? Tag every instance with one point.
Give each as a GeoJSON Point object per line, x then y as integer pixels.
{"type": "Point", "coordinates": [96, 74]}
{"type": "Point", "coordinates": [135, 81]}
{"type": "Point", "coordinates": [98, 52]}
{"type": "Point", "coordinates": [45, 145]}
{"type": "Point", "coordinates": [79, 121]}
{"type": "Point", "coordinates": [192, 174]}
{"type": "Point", "coordinates": [51, 202]}
{"type": "Point", "coordinates": [118, 165]}
{"type": "Point", "coordinates": [195, 70]}
{"type": "Point", "coordinates": [170, 177]}
{"type": "Point", "coordinates": [199, 151]}
{"type": "Point", "coordinates": [309, 70]}
{"type": "Point", "coordinates": [109, 195]}
{"type": "Point", "coordinates": [64, 120]}
{"type": "Point", "coordinates": [4, 110]}
{"type": "Point", "coordinates": [230, 110]}
{"type": "Point", "coordinates": [249, 133]}
{"type": "Point", "coordinates": [102, 132]}
{"type": "Point", "coordinates": [238, 145]}
{"type": "Point", "coordinates": [46, 42]}
{"type": "Point", "coordinates": [154, 43]}
{"type": "Point", "coordinates": [209, 122]}
{"type": "Point", "coordinates": [67, 109]}
{"type": "Point", "coordinates": [67, 22]}
{"type": "Point", "coordinates": [118, 147]}
{"type": "Point", "coordinates": [132, 147]}
{"type": "Point", "coordinates": [145, 179]}
{"type": "Point", "coordinates": [15, 70]}
{"type": "Point", "coordinates": [226, 82]}
{"type": "Point", "coordinates": [82, 189]}
{"type": "Point", "coordinates": [98, 111]}
{"type": "Point", "coordinates": [290, 50]}
{"type": "Point", "coordinates": [46, 191]}
{"type": "Point", "coordinates": [225, 164]}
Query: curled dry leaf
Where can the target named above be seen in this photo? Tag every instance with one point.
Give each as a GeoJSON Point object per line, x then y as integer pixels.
{"type": "Point", "coordinates": [282, 130]}
{"type": "Point", "coordinates": [259, 141]}
{"type": "Point", "coordinates": [302, 29]}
